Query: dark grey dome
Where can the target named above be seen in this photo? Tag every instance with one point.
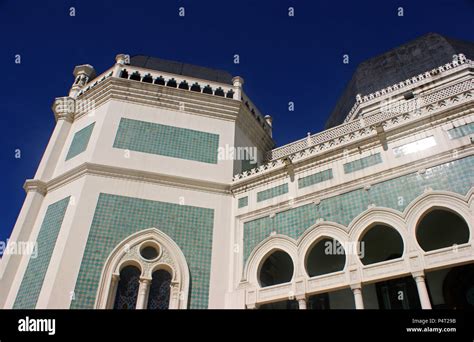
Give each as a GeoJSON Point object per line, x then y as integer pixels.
{"type": "Point", "coordinates": [415, 57]}
{"type": "Point", "coordinates": [179, 68]}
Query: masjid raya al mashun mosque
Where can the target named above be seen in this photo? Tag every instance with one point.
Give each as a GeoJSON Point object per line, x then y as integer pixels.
{"type": "Point", "coordinates": [161, 188]}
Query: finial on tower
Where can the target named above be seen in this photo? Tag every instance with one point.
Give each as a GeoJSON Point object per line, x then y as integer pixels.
{"type": "Point", "coordinates": [120, 60]}
{"type": "Point", "coordinates": [238, 82]}
{"type": "Point", "coordinates": [83, 74]}
{"type": "Point", "coordinates": [269, 121]}
{"type": "Point", "coordinates": [309, 142]}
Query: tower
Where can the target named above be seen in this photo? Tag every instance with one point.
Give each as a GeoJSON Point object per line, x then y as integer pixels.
{"type": "Point", "coordinates": [136, 179]}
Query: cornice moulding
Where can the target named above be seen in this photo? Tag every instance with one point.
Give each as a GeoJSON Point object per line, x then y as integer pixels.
{"type": "Point", "coordinates": [171, 98]}
{"type": "Point", "coordinates": [458, 64]}
{"type": "Point", "coordinates": [134, 175]}
{"type": "Point", "coordinates": [358, 183]}
{"type": "Point", "coordinates": [160, 97]}
{"type": "Point", "coordinates": [325, 157]}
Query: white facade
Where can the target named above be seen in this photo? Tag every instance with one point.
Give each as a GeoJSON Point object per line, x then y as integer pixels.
{"type": "Point", "coordinates": [386, 142]}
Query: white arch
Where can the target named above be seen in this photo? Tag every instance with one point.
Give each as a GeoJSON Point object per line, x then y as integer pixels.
{"type": "Point", "coordinates": [314, 234]}
{"type": "Point", "coordinates": [265, 248]}
{"type": "Point", "coordinates": [129, 262]}
{"type": "Point", "coordinates": [121, 255]}
{"type": "Point", "coordinates": [403, 222]}
{"type": "Point", "coordinates": [378, 215]}
{"type": "Point", "coordinates": [431, 200]}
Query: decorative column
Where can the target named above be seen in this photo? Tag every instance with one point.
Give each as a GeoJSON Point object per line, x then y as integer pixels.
{"type": "Point", "coordinates": [175, 296]}
{"type": "Point", "coordinates": [251, 298]}
{"type": "Point", "coordinates": [143, 290]}
{"type": "Point", "coordinates": [302, 303]}
{"type": "Point", "coordinates": [269, 121]}
{"type": "Point", "coordinates": [63, 108]}
{"type": "Point", "coordinates": [238, 82]}
{"type": "Point", "coordinates": [112, 291]}
{"type": "Point", "coordinates": [121, 60]}
{"type": "Point", "coordinates": [83, 74]}
{"type": "Point", "coordinates": [422, 290]}
{"type": "Point", "coordinates": [357, 291]}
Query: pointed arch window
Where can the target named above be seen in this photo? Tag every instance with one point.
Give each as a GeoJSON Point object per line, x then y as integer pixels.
{"type": "Point", "coordinates": [147, 270]}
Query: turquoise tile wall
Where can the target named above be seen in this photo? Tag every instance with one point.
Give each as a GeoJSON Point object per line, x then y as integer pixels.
{"type": "Point", "coordinates": [32, 281]}
{"type": "Point", "coordinates": [183, 143]}
{"type": "Point", "coordinates": [80, 141]}
{"type": "Point", "coordinates": [362, 163]}
{"type": "Point", "coordinates": [117, 217]}
{"type": "Point", "coordinates": [315, 178]}
{"type": "Point", "coordinates": [461, 131]}
{"type": "Point", "coordinates": [272, 192]}
{"type": "Point", "coordinates": [243, 202]}
{"type": "Point", "coordinates": [397, 193]}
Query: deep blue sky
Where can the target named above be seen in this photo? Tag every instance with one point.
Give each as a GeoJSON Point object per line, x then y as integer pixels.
{"type": "Point", "coordinates": [282, 59]}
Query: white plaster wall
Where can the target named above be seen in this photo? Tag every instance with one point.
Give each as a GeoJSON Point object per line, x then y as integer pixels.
{"type": "Point", "coordinates": [242, 139]}
{"type": "Point", "coordinates": [24, 226]}
{"type": "Point", "coordinates": [66, 260]}
{"type": "Point", "coordinates": [101, 151]}
{"type": "Point", "coordinates": [50, 198]}
{"type": "Point", "coordinates": [99, 117]}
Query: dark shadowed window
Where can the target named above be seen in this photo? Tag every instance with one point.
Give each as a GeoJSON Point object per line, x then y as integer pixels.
{"type": "Point", "coordinates": [326, 256]}
{"type": "Point", "coordinates": [207, 90]}
{"type": "Point", "coordinates": [380, 243]}
{"type": "Point", "coordinates": [441, 228]}
{"type": "Point", "coordinates": [160, 80]}
{"type": "Point", "coordinates": [147, 78]}
{"type": "Point", "coordinates": [135, 76]}
{"type": "Point", "coordinates": [127, 290]}
{"type": "Point", "coordinates": [159, 297]}
{"type": "Point", "coordinates": [276, 269]}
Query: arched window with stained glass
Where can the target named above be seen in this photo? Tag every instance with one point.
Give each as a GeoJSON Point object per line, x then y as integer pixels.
{"type": "Point", "coordinates": [127, 289]}
{"type": "Point", "coordinates": [146, 270]}
{"type": "Point", "coordinates": [159, 296]}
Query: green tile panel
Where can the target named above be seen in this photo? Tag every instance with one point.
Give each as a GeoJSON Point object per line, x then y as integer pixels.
{"type": "Point", "coordinates": [397, 193]}
{"type": "Point", "coordinates": [362, 163]}
{"type": "Point", "coordinates": [80, 141]}
{"type": "Point", "coordinates": [315, 178]}
{"type": "Point", "coordinates": [272, 192]}
{"type": "Point", "coordinates": [243, 201]}
{"type": "Point", "coordinates": [117, 217]}
{"type": "Point", "coordinates": [461, 131]}
{"type": "Point", "coordinates": [32, 281]}
{"type": "Point", "coordinates": [170, 141]}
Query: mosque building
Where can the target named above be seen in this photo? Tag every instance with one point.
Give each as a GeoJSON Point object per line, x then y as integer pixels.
{"type": "Point", "coordinates": [161, 187]}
